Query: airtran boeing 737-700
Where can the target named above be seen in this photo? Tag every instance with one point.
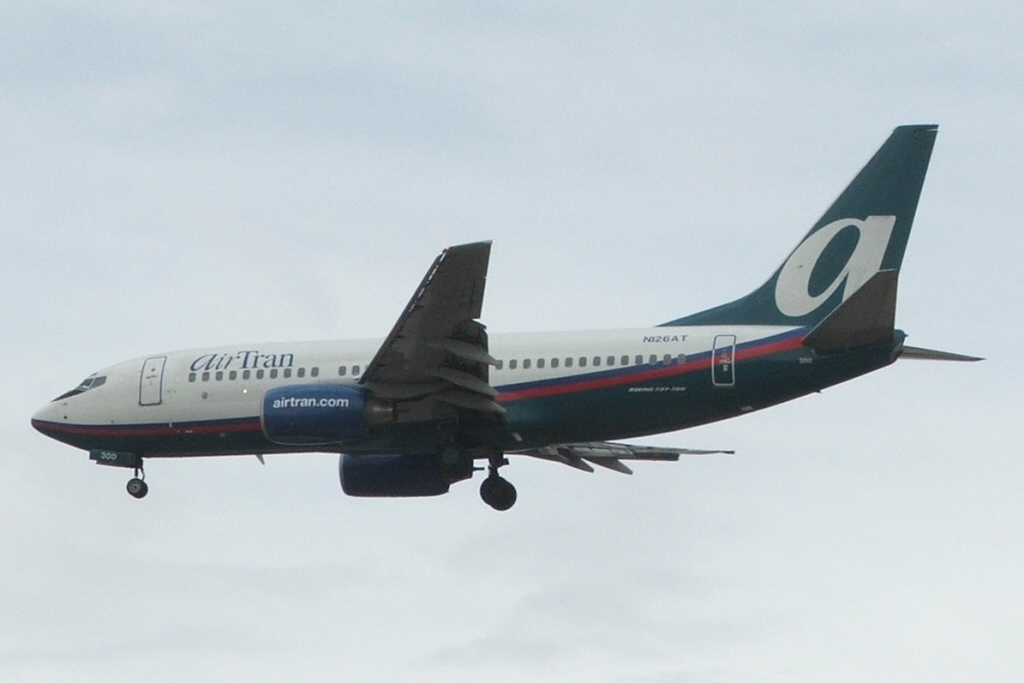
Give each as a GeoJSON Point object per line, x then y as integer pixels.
{"type": "Point", "coordinates": [415, 413]}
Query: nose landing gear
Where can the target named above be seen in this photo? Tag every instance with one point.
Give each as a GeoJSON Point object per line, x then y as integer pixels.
{"type": "Point", "coordinates": [496, 491]}
{"type": "Point", "coordinates": [137, 486]}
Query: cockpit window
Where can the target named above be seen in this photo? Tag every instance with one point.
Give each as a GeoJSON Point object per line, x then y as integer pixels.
{"type": "Point", "coordinates": [90, 382]}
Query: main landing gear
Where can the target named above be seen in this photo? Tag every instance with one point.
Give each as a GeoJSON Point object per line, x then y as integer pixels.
{"type": "Point", "coordinates": [496, 491]}
{"type": "Point", "coordinates": [137, 486]}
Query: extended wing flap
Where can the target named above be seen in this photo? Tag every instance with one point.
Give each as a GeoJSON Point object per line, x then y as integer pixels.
{"type": "Point", "coordinates": [441, 313]}
{"type": "Point", "coordinates": [610, 455]}
{"type": "Point", "coordinates": [437, 350]}
{"type": "Point", "coordinates": [611, 463]}
{"type": "Point", "coordinates": [469, 400]}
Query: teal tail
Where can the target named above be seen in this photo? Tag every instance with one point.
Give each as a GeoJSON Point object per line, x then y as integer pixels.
{"type": "Point", "coordinates": [865, 231]}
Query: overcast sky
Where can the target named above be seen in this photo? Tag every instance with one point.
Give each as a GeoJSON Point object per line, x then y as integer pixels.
{"type": "Point", "coordinates": [185, 174]}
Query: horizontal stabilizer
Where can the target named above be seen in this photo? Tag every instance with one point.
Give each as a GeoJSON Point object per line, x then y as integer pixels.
{"type": "Point", "coordinates": [609, 455]}
{"type": "Point", "coordinates": [916, 353]}
{"type": "Point", "coordinates": [868, 317]}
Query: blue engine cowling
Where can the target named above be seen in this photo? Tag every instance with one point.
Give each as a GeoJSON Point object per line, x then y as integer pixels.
{"type": "Point", "coordinates": [313, 414]}
{"type": "Point", "coordinates": [392, 476]}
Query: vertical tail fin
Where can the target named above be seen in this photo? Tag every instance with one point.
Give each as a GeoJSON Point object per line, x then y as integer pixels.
{"type": "Point", "coordinates": [864, 231]}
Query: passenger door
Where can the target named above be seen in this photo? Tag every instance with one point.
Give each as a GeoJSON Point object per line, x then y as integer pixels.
{"type": "Point", "coordinates": [151, 382]}
{"type": "Point", "coordinates": [723, 356]}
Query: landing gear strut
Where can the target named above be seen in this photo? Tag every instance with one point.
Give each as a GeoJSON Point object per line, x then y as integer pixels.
{"type": "Point", "coordinates": [137, 487]}
{"type": "Point", "coordinates": [496, 491]}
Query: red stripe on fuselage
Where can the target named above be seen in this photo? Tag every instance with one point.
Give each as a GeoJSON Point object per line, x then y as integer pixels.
{"type": "Point", "coordinates": [604, 382]}
{"type": "Point", "coordinates": [554, 388]}
{"type": "Point", "coordinates": [233, 427]}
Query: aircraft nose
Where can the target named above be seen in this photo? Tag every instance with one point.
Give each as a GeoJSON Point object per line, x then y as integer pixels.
{"type": "Point", "coordinates": [52, 420]}
{"type": "Point", "coordinates": [46, 415]}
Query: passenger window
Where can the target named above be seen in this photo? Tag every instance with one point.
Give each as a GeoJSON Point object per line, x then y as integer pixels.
{"type": "Point", "coordinates": [342, 371]}
{"type": "Point", "coordinates": [206, 377]}
{"type": "Point", "coordinates": [246, 374]}
{"type": "Point", "coordinates": [554, 362]}
{"type": "Point", "coordinates": [259, 374]}
{"type": "Point", "coordinates": [540, 363]}
{"type": "Point", "coordinates": [583, 361]}
{"type": "Point", "coordinates": [355, 370]}
{"type": "Point", "coordinates": [512, 364]}
{"type": "Point", "coordinates": [667, 358]}
{"type": "Point", "coordinates": [597, 361]}
{"type": "Point", "coordinates": [273, 373]}
{"type": "Point", "coordinates": [287, 372]}
{"type": "Point", "coordinates": [625, 360]}
{"type": "Point", "coordinates": [191, 377]}
{"type": "Point", "coordinates": [681, 359]}
{"type": "Point", "coordinates": [639, 359]}
{"type": "Point", "coordinates": [526, 364]}
{"type": "Point", "coordinates": [233, 375]}
{"type": "Point", "coordinates": [301, 372]}
{"type": "Point", "coordinates": [568, 362]}
{"type": "Point", "coordinates": [653, 359]}
{"type": "Point", "coordinates": [499, 365]}
{"type": "Point", "coordinates": [220, 375]}
{"type": "Point", "coordinates": [611, 360]}
{"type": "Point", "coordinates": [315, 372]}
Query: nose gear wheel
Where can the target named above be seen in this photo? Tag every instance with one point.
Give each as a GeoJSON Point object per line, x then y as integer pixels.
{"type": "Point", "coordinates": [137, 487]}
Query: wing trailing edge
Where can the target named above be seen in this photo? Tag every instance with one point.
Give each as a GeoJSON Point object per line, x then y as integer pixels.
{"type": "Point", "coordinates": [610, 455]}
{"type": "Point", "coordinates": [437, 351]}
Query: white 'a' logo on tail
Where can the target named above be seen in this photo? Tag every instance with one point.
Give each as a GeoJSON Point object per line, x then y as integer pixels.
{"type": "Point", "coordinates": [792, 289]}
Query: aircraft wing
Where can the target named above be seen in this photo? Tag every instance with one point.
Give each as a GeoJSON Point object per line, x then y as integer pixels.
{"type": "Point", "coordinates": [610, 455]}
{"type": "Point", "coordinates": [437, 348]}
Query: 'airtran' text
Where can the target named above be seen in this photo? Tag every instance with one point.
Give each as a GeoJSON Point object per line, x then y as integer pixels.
{"type": "Point", "coordinates": [243, 360]}
{"type": "Point", "coordinates": [310, 403]}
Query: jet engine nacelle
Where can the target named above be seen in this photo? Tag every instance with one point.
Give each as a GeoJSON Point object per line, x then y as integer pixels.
{"type": "Point", "coordinates": [315, 414]}
{"type": "Point", "coordinates": [392, 476]}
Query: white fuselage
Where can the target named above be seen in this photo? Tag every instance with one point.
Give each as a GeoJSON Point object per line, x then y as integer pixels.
{"type": "Point", "coordinates": [228, 382]}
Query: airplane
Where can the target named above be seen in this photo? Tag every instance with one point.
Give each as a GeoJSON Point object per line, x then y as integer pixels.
{"type": "Point", "coordinates": [413, 414]}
